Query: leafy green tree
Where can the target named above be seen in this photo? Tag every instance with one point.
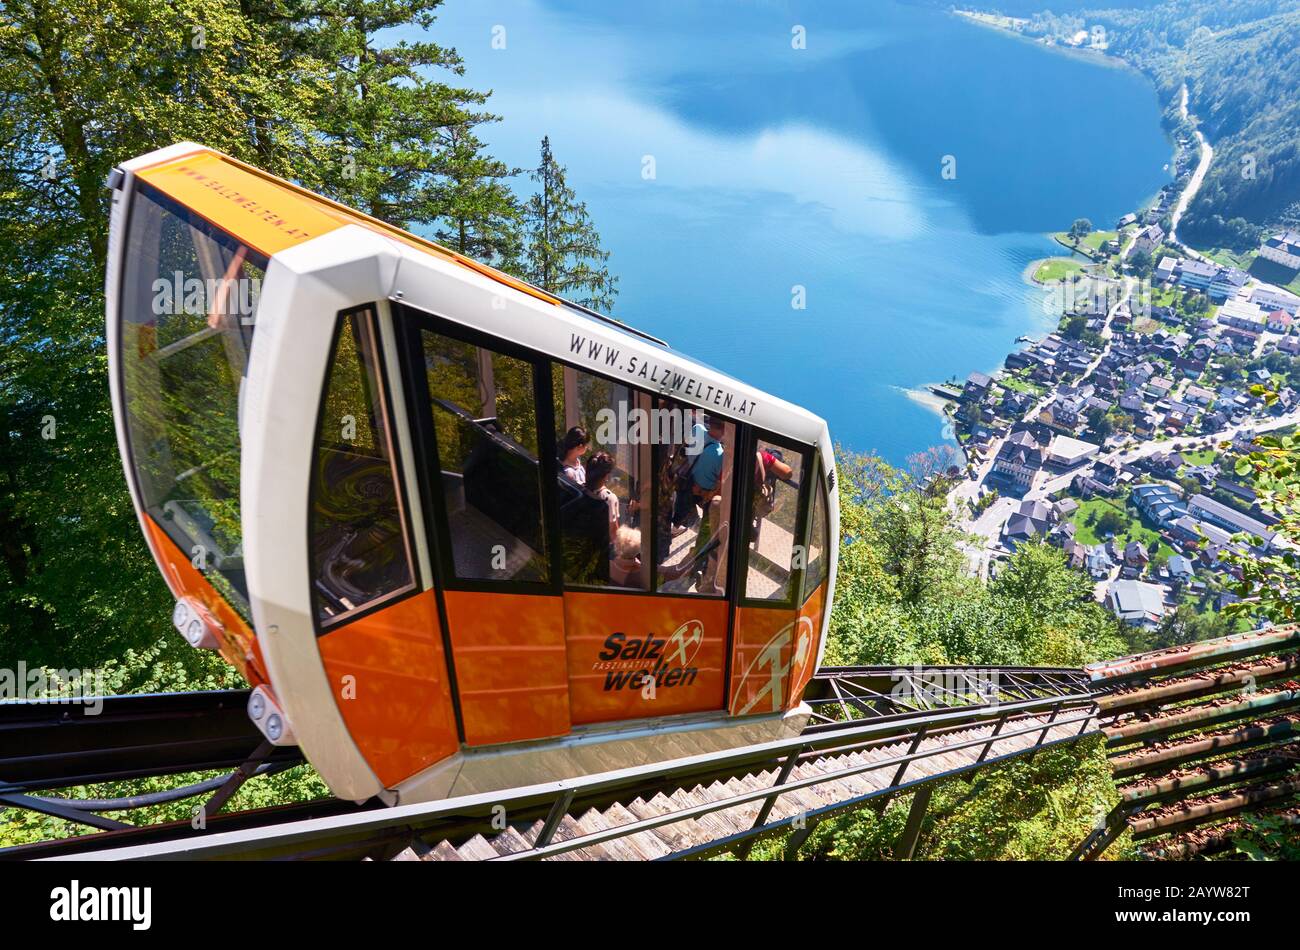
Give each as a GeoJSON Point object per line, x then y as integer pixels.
{"type": "Point", "coordinates": [903, 594]}
{"type": "Point", "coordinates": [311, 91]}
{"type": "Point", "coordinates": [389, 117]}
{"type": "Point", "coordinates": [1080, 229]}
{"type": "Point", "coordinates": [1270, 583]}
{"type": "Point", "coordinates": [1188, 625]}
{"type": "Point", "coordinates": [85, 85]}
{"type": "Point", "coordinates": [1099, 423]}
{"type": "Point", "coordinates": [1110, 522]}
{"type": "Point", "coordinates": [562, 253]}
{"type": "Point", "coordinates": [1139, 263]}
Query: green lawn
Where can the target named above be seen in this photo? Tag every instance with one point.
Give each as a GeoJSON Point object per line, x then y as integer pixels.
{"type": "Point", "coordinates": [1228, 257]}
{"type": "Point", "coordinates": [1265, 270]}
{"type": "Point", "coordinates": [1091, 243]}
{"type": "Point", "coordinates": [1097, 238]}
{"type": "Point", "coordinates": [1164, 296]}
{"type": "Point", "coordinates": [1057, 268]}
{"type": "Point", "coordinates": [1011, 381]}
{"type": "Point", "coordinates": [1133, 529]}
{"type": "Point", "coordinates": [1203, 457]}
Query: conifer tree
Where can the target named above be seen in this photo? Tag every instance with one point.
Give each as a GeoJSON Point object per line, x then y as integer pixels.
{"type": "Point", "coordinates": [563, 253]}
{"type": "Point", "coordinates": [480, 216]}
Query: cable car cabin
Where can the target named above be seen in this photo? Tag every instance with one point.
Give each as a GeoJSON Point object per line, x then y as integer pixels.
{"type": "Point", "coordinates": [358, 460]}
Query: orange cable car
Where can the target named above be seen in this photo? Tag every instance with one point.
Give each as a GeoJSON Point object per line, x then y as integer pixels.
{"type": "Point", "coordinates": [457, 533]}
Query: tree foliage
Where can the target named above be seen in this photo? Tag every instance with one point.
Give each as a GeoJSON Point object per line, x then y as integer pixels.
{"type": "Point", "coordinates": [311, 90]}
{"type": "Point", "coordinates": [1270, 583]}
{"type": "Point", "coordinates": [903, 595]}
{"type": "Point", "coordinates": [562, 252]}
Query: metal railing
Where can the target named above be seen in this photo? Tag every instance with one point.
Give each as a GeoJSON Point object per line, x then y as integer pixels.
{"type": "Point", "coordinates": [838, 695]}
{"type": "Point", "coordinates": [368, 832]}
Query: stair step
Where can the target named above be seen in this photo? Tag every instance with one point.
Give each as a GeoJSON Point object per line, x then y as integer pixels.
{"type": "Point", "coordinates": [443, 851]}
{"type": "Point", "coordinates": [477, 848]}
{"type": "Point", "coordinates": [646, 844]}
{"type": "Point", "coordinates": [676, 836]}
{"type": "Point", "coordinates": [617, 849]}
{"type": "Point", "coordinates": [707, 827]}
{"type": "Point", "coordinates": [509, 841]}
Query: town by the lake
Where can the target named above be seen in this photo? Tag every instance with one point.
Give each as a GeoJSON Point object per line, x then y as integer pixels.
{"type": "Point", "coordinates": [1116, 437]}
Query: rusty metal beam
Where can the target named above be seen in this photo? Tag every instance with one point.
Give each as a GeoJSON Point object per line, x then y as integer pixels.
{"type": "Point", "coordinates": [1197, 686]}
{"type": "Point", "coordinates": [1245, 799]}
{"type": "Point", "coordinates": [1204, 653]}
{"type": "Point", "coordinates": [1260, 704]}
{"type": "Point", "coordinates": [1245, 737]}
{"type": "Point", "coordinates": [1209, 776]}
{"type": "Point", "coordinates": [1211, 840]}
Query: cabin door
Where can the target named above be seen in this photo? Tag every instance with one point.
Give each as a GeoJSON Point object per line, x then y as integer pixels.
{"type": "Point", "coordinates": [479, 406]}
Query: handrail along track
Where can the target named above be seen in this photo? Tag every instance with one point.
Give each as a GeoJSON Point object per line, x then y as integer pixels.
{"type": "Point", "coordinates": [875, 732]}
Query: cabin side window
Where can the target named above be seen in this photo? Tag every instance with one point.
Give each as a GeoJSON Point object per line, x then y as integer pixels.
{"type": "Point", "coordinates": [603, 483]}
{"type": "Point", "coordinates": [359, 545]}
{"type": "Point", "coordinates": [187, 311]}
{"type": "Point", "coordinates": [485, 432]}
{"type": "Point", "coordinates": [773, 554]}
{"type": "Point", "coordinates": [818, 542]}
{"type": "Point", "coordinates": [694, 465]}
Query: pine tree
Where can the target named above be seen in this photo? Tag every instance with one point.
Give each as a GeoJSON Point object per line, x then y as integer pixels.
{"type": "Point", "coordinates": [563, 253]}
{"type": "Point", "coordinates": [480, 216]}
{"type": "Point", "coordinates": [389, 113]}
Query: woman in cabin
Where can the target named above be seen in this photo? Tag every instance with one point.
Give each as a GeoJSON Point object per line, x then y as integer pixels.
{"type": "Point", "coordinates": [598, 469]}
{"type": "Point", "coordinates": [572, 447]}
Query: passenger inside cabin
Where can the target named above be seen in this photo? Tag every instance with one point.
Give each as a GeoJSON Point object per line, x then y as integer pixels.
{"type": "Point", "coordinates": [699, 474]}
{"type": "Point", "coordinates": [572, 447]}
{"type": "Point", "coordinates": [770, 467]}
{"type": "Point", "coordinates": [772, 463]}
{"type": "Point", "coordinates": [625, 566]}
{"type": "Point", "coordinates": [598, 470]}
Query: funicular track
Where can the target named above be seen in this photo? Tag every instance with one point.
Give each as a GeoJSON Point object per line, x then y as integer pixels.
{"type": "Point", "coordinates": [1198, 736]}
{"type": "Point", "coordinates": [875, 732]}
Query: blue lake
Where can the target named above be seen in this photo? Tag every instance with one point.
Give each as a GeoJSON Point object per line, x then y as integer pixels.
{"type": "Point", "coordinates": [821, 168]}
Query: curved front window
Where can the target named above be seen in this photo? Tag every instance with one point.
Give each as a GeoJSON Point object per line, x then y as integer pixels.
{"type": "Point", "coordinates": [187, 310]}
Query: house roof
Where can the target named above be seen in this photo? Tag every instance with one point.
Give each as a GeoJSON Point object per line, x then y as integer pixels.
{"type": "Point", "coordinates": [1135, 600]}
{"type": "Point", "coordinates": [1231, 515]}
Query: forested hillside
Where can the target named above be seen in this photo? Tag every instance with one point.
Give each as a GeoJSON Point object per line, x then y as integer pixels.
{"type": "Point", "coordinates": [1240, 63]}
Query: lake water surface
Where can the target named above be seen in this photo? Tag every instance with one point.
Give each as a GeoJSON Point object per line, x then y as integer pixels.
{"type": "Point", "coordinates": [821, 168]}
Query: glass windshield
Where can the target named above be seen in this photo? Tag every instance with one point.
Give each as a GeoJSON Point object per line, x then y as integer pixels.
{"type": "Point", "coordinates": [188, 307]}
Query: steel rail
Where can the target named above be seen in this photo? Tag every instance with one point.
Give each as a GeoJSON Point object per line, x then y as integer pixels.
{"type": "Point", "coordinates": [58, 744]}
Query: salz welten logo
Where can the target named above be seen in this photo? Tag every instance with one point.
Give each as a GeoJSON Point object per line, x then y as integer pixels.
{"type": "Point", "coordinates": [632, 662]}
{"type": "Point", "coordinates": [768, 672]}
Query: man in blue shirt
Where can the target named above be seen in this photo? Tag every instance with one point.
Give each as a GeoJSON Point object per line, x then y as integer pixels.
{"type": "Point", "coordinates": [698, 484]}
{"type": "Point", "coordinates": [706, 440]}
